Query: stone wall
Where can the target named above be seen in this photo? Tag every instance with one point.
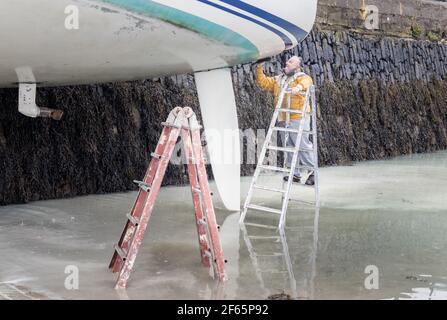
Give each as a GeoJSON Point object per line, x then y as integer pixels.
{"type": "Point", "coordinates": [335, 55]}
{"type": "Point", "coordinates": [377, 98]}
{"type": "Point", "coordinates": [395, 17]}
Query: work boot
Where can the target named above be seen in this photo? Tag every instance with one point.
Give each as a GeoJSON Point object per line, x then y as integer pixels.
{"type": "Point", "coordinates": [296, 178]}
{"type": "Point", "coordinates": [311, 180]}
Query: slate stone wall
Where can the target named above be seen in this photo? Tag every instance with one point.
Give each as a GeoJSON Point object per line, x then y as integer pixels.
{"type": "Point", "coordinates": [378, 97]}
{"type": "Point", "coordinates": [398, 18]}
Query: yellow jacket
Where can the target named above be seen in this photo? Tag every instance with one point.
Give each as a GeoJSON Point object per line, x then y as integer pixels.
{"type": "Point", "coordinates": [273, 84]}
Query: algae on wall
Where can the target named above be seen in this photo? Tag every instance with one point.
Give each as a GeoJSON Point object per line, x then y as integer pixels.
{"type": "Point", "coordinates": [108, 130]}
{"type": "Point", "coordinates": [101, 145]}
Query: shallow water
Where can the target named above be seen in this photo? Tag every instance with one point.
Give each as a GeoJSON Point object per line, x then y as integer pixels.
{"type": "Point", "coordinates": [389, 214]}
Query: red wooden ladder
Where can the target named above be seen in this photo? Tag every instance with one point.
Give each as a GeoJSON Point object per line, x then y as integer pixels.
{"type": "Point", "coordinates": [181, 122]}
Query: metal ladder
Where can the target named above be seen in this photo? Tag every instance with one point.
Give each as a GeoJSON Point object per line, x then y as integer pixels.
{"type": "Point", "coordinates": [181, 122]}
{"type": "Point", "coordinates": [269, 145]}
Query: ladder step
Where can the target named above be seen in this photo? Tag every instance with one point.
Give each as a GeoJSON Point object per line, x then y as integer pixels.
{"type": "Point", "coordinates": [156, 156]}
{"type": "Point", "coordinates": [197, 190]}
{"type": "Point", "coordinates": [120, 252]}
{"type": "Point", "coordinates": [171, 125]}
{"type": "Point", "coordinates": [290, 111]}
{"type": "Point", "coordinates": [301, 228]}
{"type": "Point", "coordinates": [290, 130]}
{"type": "Point", "coordinates": [285, 129]}
{"type": "Point", "coordinates": [273, 271]}
{"type": "Point", "coordinates": [292, 150]}
{"type": "Point", "coordinates": [270, 255]}
{"type": "Point", "coordinates": [262, 208]}
{"type": "Point", "coordinates": [207, 254]}
{"type": "Point", "coordinates": [263, 237]}
{"type": "Point", "coordinates": [133, 219]}
{"type": "Point", "coordinates": [143, 185]}
{"type": "Point", "coordinates": [258, 225]}
{"type": "Point", "coordinates": [268, 188]}
{"type": "Point", "coordinates": [187, 127]}
{"type": "Point", "coordinates": [310, 203]}
{"type": "Point", "coordinates": [293, 111]}
{"type": "Point", "coordinates": [272, 168]}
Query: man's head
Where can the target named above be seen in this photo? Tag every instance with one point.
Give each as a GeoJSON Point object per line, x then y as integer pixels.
{"type": "Point", "coordinates": [293, 65]}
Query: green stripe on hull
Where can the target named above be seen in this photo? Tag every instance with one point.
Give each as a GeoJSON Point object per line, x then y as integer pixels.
{"type": "Point", "coordinates": [247, 50]}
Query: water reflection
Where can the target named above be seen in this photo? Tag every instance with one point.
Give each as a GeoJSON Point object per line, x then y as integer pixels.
{"type": "Point", "coordinates": [283, 261]}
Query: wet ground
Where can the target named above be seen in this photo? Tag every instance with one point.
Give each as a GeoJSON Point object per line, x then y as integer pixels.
{"type": "Point", "coordinates": [386, 216]}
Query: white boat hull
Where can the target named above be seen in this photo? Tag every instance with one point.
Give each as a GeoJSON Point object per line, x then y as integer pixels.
{"type": "Point", "coordinates": [119, 40]}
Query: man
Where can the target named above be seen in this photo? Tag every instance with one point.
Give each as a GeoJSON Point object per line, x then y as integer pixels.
{"type": "Point", "coordinates": [299, 82]}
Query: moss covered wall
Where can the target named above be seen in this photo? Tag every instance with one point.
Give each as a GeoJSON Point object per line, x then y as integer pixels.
{"type": "Point", "coordinates": [108, 130]}
{"type": "Point", "coordinates": [397, 18]}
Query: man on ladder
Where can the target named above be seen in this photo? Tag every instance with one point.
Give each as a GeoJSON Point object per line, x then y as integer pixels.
{"type": "Point", "coordinates": [298, 82]}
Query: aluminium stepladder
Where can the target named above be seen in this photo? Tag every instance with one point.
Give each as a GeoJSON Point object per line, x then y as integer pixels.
{"type": "Point", "coordinates": [310, 99]}
{"type": "Point", "coordinates": [181, 122]}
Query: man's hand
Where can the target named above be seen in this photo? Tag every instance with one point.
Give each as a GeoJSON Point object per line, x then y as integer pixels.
{"type": "Point", "coordinates": [298, 90]}
{"type": "Point", "coordinates": [260, 66]}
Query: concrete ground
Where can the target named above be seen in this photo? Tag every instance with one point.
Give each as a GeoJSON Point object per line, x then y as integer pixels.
{"type": "Point", "coordinates": [386, 216]}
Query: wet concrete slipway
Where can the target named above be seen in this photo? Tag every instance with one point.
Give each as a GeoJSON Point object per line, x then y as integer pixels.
{"type": "Point", "coordinates": [387, 214]}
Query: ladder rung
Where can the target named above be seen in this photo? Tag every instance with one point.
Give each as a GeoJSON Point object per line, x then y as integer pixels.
{"type": "Point", "coordinates": [156, 156]}
{"type": "Point", "coordinates": [261, 208]}
{"type": "Point", "coordinates": [291, 130]}
{"type": "Point", "coordinates": [167, 124]}
{"type": "Point", "coordinates": [303, 201]}
{"type": "Point", "coordinates": [270, 255]}
{"type": "Point", "coordinates": [143, 185]}
{"type": "Point", "coordinates": [198, 127]}
{"type": "Point", "coordinates": [290, 111]}
{"type": "Point", "coordinates": [133, 219]}
{"type": "Point", "coordinates": [301, 228]}
{"type": "Point", "coordinates": [286, 129]}
{"type": "Point", "coordinates": [258, 225]}
{"type": "Point", "coordinates": [268, 188]}
{"type": "Point", "coordinates": [120, 252]}
{"type": "Point", "coordinates": [294, 111]}
{"type": "Point", "coordinates": [263, 237]}
{"type": "Point", "coordinates": [196, 190]}
{"type": "Point", "coordinates": [272, 168]}
{"type": "Point", "coordinates": [281, 149]}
